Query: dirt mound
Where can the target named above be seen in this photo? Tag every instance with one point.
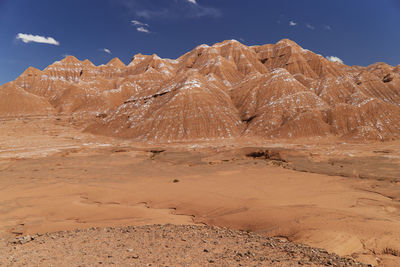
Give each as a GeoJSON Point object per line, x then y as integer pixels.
{"type": "Point", "coordinates": [16, 101]}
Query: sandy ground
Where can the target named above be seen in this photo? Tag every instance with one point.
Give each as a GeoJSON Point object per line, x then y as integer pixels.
{"type": "Point", "coordinates": [333, 195]}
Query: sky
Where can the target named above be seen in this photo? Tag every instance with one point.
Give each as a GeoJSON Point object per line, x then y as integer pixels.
{"type": "Point", "coordinates": [39, 32]}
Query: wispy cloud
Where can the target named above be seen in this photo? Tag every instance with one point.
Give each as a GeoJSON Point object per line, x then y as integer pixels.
{"type": "Point", "coordinates": [334, 59]}
{"type": "Point", "coordinates": [311, 27]}
{"type": "Point", "coordinates": [202, 11]}
{"type": "Point", "coordinates": [171, 9]}
{"type": "Point", "coordinates": [299, 23]}
{"type": "Point", "coordinates": [105, 50]}
{"type": "Point", "coordinates": [139, 23]}
{"type": "Point", "coordinates": [30, 38]}
{"type": "Point", "coordinates": [153, 14]}
{"type": "Point", "coordinates": [142, 29]}
{"type": "Point", "coordinates": [141, 26]}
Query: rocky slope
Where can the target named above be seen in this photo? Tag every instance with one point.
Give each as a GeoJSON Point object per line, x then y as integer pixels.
{"type": "Point", "coordinates": [224, 91]}
{"type": "Point", "coordinates": [163, 245]}
{"type": "Point", "coordinates": [16, 101]}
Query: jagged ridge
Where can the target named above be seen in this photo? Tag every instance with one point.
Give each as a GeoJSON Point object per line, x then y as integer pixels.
{"type": "Point", "coordinates": [224, 91]}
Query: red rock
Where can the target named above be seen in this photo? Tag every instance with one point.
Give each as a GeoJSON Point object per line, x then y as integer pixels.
{"type": "Point", "coordinates": [16, 101]}
{"type": "Point", "coordinates": [224, 91]}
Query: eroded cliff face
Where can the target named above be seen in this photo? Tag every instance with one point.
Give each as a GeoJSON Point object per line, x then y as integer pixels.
{"type": "Point", "coordinates": [222, 91]}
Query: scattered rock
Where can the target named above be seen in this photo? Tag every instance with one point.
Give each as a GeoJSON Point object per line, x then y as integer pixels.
{"type": "Point", "coordinates": [234, 248]}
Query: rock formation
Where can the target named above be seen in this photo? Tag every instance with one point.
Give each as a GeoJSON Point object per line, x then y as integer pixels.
{"type": "Point", "coordinates": [222, 91]}
{"type": "Point", "coordinates": [15, 101]}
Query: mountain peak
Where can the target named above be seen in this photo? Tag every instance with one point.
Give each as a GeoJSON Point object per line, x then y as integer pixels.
{"type": "Point", "coordinates": [228, 42]}
{"type": "Point", "coordinates": [288, 42]}
{"type": "Point", "coordinates": [70, 59]}
{"type": "Point", "coordinates": [138, 58]}
{"type": "Point", "coordinates": [116, 62]}
{"type": "Point", "coordinates": [87, 62]}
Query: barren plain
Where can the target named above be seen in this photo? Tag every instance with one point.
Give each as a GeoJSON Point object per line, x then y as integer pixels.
{"type": "Point", "coordinates": [324, 193]}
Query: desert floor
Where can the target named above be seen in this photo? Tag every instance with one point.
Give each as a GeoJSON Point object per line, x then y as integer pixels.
{"type": "Point", "coordinates": [342, 197]}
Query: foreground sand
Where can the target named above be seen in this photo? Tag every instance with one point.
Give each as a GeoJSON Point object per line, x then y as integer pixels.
{"type": "Point", "coordinates": [53, 178]}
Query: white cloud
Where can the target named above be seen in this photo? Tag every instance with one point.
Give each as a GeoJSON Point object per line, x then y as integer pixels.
{"type": "Point", "coordinates": [105, 50]}
{"type": "Point", "coordinates": [171, 9]}
{"type": "Point", "coordinates": [138, 23]}
{"type": "Point", "coordinates": [327, 27]}
{"type": "Point", "coordinates": [141, 26]}
{"type": "Point", "coordinates": [151, 14]}
{"type": "Point", "coordinates": [311, 27]}
{"type": "Point", "coordinates": [142, 29]}
{"type": "Point", "coordinates": [334, 59]}
{"type": "Point", "coordinates": [292, 23]}
{"type": "Point", "coordinates": [28, 38]}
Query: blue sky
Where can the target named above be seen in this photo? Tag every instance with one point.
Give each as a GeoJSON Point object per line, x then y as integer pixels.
{"type": "Point", "coordinates": [360, 32]}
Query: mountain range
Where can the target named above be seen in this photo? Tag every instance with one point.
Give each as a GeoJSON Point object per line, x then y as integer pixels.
{"type": "Point", "coordinates": [227, 90]}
